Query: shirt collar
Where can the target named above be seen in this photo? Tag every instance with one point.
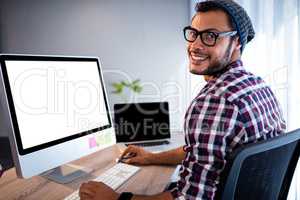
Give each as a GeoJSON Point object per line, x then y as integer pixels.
{"type": "Point", "coordinates": [238, 64]}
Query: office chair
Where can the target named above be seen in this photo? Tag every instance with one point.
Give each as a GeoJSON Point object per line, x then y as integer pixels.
{"type": "Point", "coordinates": [261, 171]}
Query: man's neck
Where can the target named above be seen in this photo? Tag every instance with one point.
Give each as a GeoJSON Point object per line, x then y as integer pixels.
{"type": "Point", "coordinates": [211, 77]}
{"type": "Point", "coordinates": [208, 78]}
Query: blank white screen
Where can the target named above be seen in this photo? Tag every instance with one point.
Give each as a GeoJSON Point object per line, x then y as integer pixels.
{"type": "Point", "coordinates": [56, 99]}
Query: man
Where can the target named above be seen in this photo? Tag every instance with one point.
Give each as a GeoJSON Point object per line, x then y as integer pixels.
{"type": "Point", "coordinates": [234, 108]}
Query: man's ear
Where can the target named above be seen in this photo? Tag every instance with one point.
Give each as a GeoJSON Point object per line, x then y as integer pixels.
{"type": "Point", "coordinates": [237, 41]}
{"type": "Point", "coordinates": [238, 47]}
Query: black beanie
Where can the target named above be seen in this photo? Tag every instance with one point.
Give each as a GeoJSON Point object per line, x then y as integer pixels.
{"type": "Point", "coordinates": [238, 15]}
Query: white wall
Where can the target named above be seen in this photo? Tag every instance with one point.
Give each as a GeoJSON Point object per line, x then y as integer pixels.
{"type": "Point", "coordinates": [133, 38]}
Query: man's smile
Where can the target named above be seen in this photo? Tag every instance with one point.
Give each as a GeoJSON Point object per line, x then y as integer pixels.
{"type": "Point", "coordinates": [197, 58]}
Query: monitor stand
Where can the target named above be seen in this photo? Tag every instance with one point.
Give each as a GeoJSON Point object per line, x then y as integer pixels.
{"type": "Point", "coordinates": [66, 173]}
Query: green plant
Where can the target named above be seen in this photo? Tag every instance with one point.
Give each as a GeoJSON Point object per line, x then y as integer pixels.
{"type": "Point", "coordinates": [120, 86]}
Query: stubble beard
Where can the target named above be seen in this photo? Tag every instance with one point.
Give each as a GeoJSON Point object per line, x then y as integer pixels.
{"type": "Point", "coordinates": [218, 65]}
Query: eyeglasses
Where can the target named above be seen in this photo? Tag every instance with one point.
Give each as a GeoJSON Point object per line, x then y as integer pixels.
{"type": "Point", "coordinates": [209, 38]}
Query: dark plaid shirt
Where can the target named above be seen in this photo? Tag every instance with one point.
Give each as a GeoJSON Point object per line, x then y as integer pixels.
{"type": "Point", "coordinates": [234, 109]}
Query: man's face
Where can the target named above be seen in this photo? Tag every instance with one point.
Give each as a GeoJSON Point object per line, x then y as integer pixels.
{"type": "Point", "coordinates": [205, 60]}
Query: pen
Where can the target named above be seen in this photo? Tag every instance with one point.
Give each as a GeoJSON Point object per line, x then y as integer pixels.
{"type": "Point", "coordinates": [125, 157]}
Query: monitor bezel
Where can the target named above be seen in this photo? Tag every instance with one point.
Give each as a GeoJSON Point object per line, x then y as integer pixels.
{"type": "Point", "coordinates": [11, 105]}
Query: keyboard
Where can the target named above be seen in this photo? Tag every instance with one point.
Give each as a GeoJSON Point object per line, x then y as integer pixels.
{"type": "Point", "coordinates": [113, 177]}
{"type": "Point", "coordinates": [149, 144]}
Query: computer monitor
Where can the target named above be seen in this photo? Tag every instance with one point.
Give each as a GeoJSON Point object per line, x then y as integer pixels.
{"type": "Point", "coordinates": [145, 122]}
{"type": "Point", "coordinates": [56, 110]}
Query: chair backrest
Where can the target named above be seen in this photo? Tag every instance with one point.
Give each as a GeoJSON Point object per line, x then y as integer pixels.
{"type": "Point", "coordinates": [263, 170]}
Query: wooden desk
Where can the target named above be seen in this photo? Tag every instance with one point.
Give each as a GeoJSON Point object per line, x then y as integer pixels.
{"type": "Point", "coordinates": [149, 180]}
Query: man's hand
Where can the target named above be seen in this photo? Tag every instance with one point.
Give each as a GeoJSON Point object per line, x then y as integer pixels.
{"type": "Point", "coordinates": [97, 190]}
{"type": "Point", "coordinates": [137, 155]}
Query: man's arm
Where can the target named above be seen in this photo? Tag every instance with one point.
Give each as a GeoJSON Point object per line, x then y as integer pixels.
{"type": "Point", "coordinates": [213, 129]}
{"type": "Point", "coordinates": [171, 157]}
{"type": "Point", "coordinates": [142, 157]}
